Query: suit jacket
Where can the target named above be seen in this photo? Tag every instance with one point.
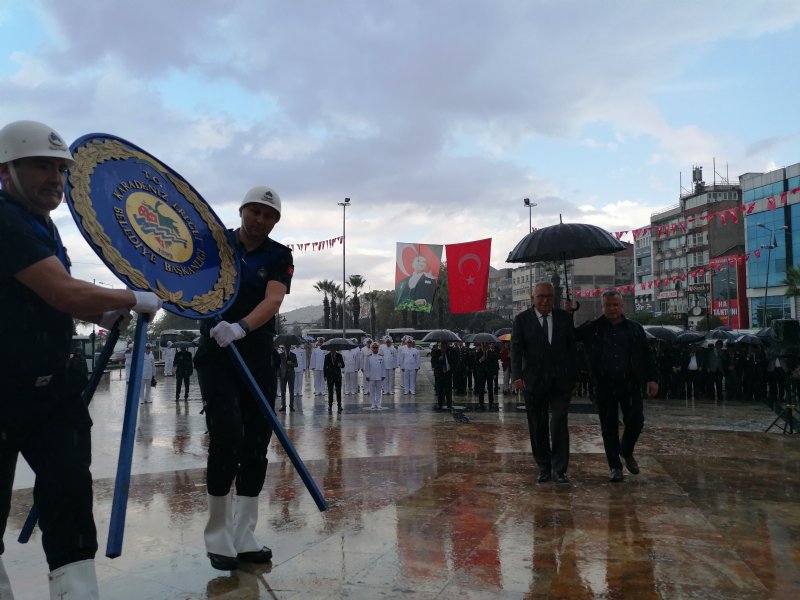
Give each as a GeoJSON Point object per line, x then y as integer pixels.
{"type": "Point", "coordinates": [539, 363]}
{"type": "Point", "coordinates": [333, 369]}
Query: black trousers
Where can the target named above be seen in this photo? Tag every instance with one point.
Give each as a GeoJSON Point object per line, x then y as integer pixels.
{"type": "Point", "coordinates": [184, 379]}
{"type": "Point", "coordinates": [335, 383]}
{"type": "Point", "coordinates": [287, 381]}
{"type": "Point", "coordinates": [482, 384]}
{"type": "Point", "coordinates": [549, 437]}
{"type": "Point", "coordinates": [444, 388]}
{"type": "Point", "coordinates": [52, 432]}
{"type": "Point", "coordinates": [625, 394]}
{"type": "Point", "coordinates": [238, 428]}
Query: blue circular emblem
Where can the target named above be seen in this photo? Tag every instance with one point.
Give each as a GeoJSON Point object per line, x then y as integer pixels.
{"type": "Point", "coordinates": [150, 227]}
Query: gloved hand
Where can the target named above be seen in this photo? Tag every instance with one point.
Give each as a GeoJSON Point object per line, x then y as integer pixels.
{"type": "Point", "coordinates": [225, 333]}
{"type": "Point", "coordinates": [146, 302]}
{"type": "Point", "coordinates": [110, 317]}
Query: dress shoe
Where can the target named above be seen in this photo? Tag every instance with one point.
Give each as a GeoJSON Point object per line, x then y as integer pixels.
{"type": "Point", "coordinates": [257, 556]}
{"type": "Point", "coordinates": [282, 409]}
{"type": "Point", "coordinates": [223, 563]}
{"type": "Point", "coordinates": [631, 464]}
{"type": "Point", "coordinates": [560, 478]}
{"type": "Point", "coordinates": [544, 476]}
{"type": "Point", "coordinates": [616, 475]}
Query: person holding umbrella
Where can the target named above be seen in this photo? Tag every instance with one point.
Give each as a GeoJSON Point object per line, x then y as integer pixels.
{"type": "Point", "coordinates": [332, 370]}
{"type": "Point", "coordinates": [486, 369]}
{"type": "Point", "coordinates": [543, 366]}
{"type": "Point", "coordinates": [620, 360]}
{"type": "Point", "coordinates": [183, 372]}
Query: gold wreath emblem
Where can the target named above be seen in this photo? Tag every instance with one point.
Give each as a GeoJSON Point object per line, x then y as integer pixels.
{"type": "Point", "coordinates": [96, 152]}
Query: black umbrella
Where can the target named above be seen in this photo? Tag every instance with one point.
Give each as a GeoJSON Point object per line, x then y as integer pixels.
{"type": "Point", "coordinates": [748, 339]}
{"type": "Point", "coordinates": [484, 338]}
{"type": "Point", "coordinates": [690, 337]}
{"type": "Point", "coordinates": [441, 335]}
{"type": "Point", "coordinates": [288, 339]}
{"type": "Point", "coordinates": [467, 339]}
{"type": "Point", "coordinates": [184, 345]}
{"type": "Point", "coordinates": [338, 344]}
{"type": "Point", "coordinates": [662, 333]}
{"type": "Point", "coordinates": [502, 331]}
{"type": "Point", "coordinates": [562, 242]}
{"type": "Point", "coordinates": [721, 334]}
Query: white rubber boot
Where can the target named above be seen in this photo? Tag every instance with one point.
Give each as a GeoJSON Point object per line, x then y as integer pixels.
{"type": "Point", "coordinates": [244, 527]}
{"type": "Point", "coordinates": [219, 533]}
{"type": "Point", "coordinates": [75, 581]}
{"type": "Point", "coordinates": [5, 584]}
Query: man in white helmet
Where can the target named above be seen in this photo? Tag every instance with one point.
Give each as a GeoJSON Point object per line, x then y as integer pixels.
{"type": "Point", "coordinates": [41, 417]}
{"type": "Point", "coordinates": [238, 428]}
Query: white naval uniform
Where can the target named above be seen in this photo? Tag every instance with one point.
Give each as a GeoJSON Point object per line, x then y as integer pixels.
{"type": "Point", "coordinates": [409, 362]}
{"type": "Point", "coordinates": [169, 360]}
{"type": "Point", "coordinates": [350, 371]}
{"type": "Point", "coordinates": [299, 370]}
{"type": "Point", "coordinates": [373, 375]}
{"type": "Point", "coordinates": [389, 354]}
{"type": "Point", "coordinates": [317, 366]}
{"type": "Point", "coordinates": [148, 371]}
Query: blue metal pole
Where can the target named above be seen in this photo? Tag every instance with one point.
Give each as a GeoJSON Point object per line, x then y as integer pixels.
{"type": "Point", "coordinates": [119, 505]}
{"type": "Point", "coordinates": [88, 392]}
{"type": "Point", "coordinates": [280, 432]}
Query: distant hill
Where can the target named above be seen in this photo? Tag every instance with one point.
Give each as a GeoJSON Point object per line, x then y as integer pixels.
{"type": "Point", "coordinates": [306, 314]}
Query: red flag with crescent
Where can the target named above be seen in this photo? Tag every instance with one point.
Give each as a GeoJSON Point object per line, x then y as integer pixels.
{"type": "Point", "coordinates": [468, 275]}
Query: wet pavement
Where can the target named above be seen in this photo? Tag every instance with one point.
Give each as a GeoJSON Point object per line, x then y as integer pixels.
{"type": "Point", "coordinates": [422, 506]}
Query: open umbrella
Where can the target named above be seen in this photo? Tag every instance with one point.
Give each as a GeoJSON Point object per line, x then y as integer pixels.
{"type": "Point", "coordinates": [288, 339]}
{"type": "Point", "coordinates": [748, 339]}
{"type": "Point", "coordinates": [441, 335]}
{"type": "Point", "coordinates": [690, 337]}
{"type": "Point", "coordinates": [506, 337]}
{"type": "Point", "coordinates": [184, 345]}
{"type": "Point", "coordinates": [661, 333]}
{"type": "Point", "coordinates": [562, 242]}
{"type": "Point", "coordinates": [503, 331]}
{"type": "Point", "coordinates": [338, 344]}
{"type": "Point", "coordinates": [484, 338]}
{"type": "Point", "coordinates": [468, 338]}
{"type": "Point", "coordinates": [719, 333]}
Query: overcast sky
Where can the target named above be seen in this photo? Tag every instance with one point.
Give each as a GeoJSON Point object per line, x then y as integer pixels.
{"type": "Point", "coordinates": [435, 117]}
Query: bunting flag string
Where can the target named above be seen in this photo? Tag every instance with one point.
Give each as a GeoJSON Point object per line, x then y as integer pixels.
{"type": "Point", "coordinates": [725, 217]}
{"type": "Point", "coordinates": [664, 282]}
{"type": "Point", "coordinates": [316, 246]}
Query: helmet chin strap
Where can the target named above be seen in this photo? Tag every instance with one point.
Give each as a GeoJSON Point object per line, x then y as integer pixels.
{"type": "Point", "coordinates": [12, 171]}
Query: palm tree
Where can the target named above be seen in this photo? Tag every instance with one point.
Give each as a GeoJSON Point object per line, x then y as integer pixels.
{"type": "Point", "coordinates": [371, 297]}
{"type": "Point", "coordinates": [792, 282]}
{"type": "Point", "coordinates": [356, 282]}
{"type": "Point", "coordinates": [324, 286]}
{"type": "Point", "coordinates": [336, 292]}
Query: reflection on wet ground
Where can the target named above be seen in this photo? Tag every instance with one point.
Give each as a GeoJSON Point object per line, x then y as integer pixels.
{"type": "Point", "coordinates": [424, 507]}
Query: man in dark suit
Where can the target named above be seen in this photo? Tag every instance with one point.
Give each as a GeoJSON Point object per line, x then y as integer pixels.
{"type": "Point", "coordinates": [621, 363]}
{"type": "Point", "coordinates": [444, 360]}
{"type": "Point", "coordinates": [543, 365]}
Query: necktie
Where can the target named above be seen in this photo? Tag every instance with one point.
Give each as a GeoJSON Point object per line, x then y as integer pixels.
{"type": "Point", "coordinates": [546, 329]}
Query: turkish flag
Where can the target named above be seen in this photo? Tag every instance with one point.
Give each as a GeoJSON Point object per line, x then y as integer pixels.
{"type": "Point", "coordinates": [468, 275]}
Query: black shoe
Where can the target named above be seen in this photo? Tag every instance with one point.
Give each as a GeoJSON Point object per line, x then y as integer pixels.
{"type": "Point", "coordinates": [544, 476]}
{"type": "Point", "coordinates": [481, 406]}
{"type": "Point", "coordinates": [291, 409]}
{"type": "Point", "coordinates": [282, 409]}
{"type": "Point", "coordinates": [339, 408]}
{"type": "Point", "coordinates": [223, 563]}
{"type": "Point", "coordinates": [561, 478]}
{"type": "Point", "coordinates": [257, 556]}
{"type": "Point", "coordinates": [616, 475]}
{"type": "Point", "coordinates": [631, 464]}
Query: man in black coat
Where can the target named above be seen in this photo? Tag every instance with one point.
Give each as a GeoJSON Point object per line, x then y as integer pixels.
{"type": "Point", "coordinates": [183, 372]}
{"type": "Point", "coordinates": [621, 361]}
{"type": "Point", "coordinates": [543, 366]}
{"type": "Point", "coordinates": [332, 370]}
{"type": "Point", "coordinates": [444, 360]}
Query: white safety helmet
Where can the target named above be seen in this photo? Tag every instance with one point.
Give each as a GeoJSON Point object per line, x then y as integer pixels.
{"type": "Point", "coordinates": [24, 139]}
{"type": "Point", "coordinates": [262, 194]}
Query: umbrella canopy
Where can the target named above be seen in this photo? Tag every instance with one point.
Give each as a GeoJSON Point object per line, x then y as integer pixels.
{"type": "Point", "coordinates": [690, 337]}
{"type": "Point", "coordinates": [503, 331]}
{"type": "Point", "coordinates": [441, 335]}
{"type": "Point", "coordinates": [506, 337]}
{"type": "Point", "coordinates": [184, 345]}
{"type": "Point", "coordinates": [721, 334]}
{"type": "Point", "coordinates": [748, 339]}
{"type": "Point", "coordinates": [565, 241]}
{"type": "Point", "coordinates": [468, 339]}
{"type": "Point", "coordinates": [288, 339]}
{"type": "Point", "coordinates": [661, 333]}
{"type": "Point", "coordinates": [484, 338]}
{"type": "Point", "coordinates": [338, 344]}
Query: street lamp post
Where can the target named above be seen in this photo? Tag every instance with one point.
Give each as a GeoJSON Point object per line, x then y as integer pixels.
{"type": "Point", "coordinates": [344, 206]}
{"type": "Point", "coordinates": [527, 202]}
{"type": "Point", "coordinates": [773, 244]}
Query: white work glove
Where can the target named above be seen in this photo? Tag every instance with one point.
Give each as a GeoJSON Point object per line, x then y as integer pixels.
{"type": "Point", "coordinates": [110, 317]}
{"type": "Point", "coordinates": [225, 333]}
{"type": "Point", "coordinates": [146, 302]}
